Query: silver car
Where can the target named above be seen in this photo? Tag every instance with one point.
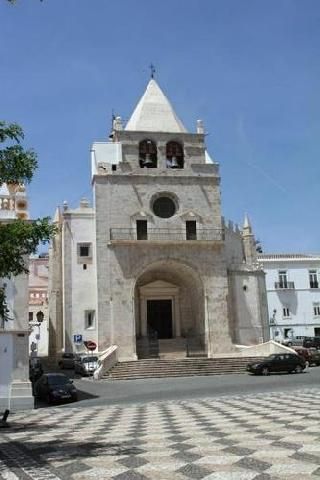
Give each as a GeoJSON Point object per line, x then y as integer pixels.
{"type": "Point", "coordinates": [86, 364]}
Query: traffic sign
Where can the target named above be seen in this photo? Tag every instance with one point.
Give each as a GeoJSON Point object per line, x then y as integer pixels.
{"type": "Point", "coordinates": [77, 338]}
{"type": "Point", "coordinates": [90, 345]}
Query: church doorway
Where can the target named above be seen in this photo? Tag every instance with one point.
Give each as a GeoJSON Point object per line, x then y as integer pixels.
{"type": "Point", "coordinates": [159, 317]}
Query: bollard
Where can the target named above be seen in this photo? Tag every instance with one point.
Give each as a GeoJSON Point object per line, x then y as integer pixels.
{"type": "Point", "coordinates": [3, 421]}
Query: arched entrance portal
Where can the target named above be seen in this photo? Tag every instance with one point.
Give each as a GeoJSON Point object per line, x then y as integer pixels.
{"type": "Point", "coordinates": [169, 302]}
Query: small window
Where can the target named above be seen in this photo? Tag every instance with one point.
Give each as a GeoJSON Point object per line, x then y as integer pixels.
{"type": "Point", "coordinates": [90, 319]}
{"type": "Point", "coordinates": [84, 252]}
{"type": "Point", "coordinates": [286, 312]}
{"type": "Point", "coordinates": [283, 279]}
{"type": "Point", "coordinates": [316, 309]}
{"type": "Point", "coordinates": [142, 230]}
{"type": "Point", "coordinates": [84, 266]}
{"type": "Point", "coordinates": [40, 317]}
{"type": "Point", "coordinates": [30, 316]}
{"type": "Point", "coordinates": [191, 230]}
{"type": "Point", "coordinates": [313, 279]}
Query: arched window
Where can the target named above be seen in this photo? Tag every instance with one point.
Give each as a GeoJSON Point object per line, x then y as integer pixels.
{"type": "Point", "coordinates": [174, 155]}
{"type": "Point", "coordinates": [147, 154]}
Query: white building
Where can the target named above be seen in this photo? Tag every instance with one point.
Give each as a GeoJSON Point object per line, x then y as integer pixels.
{"type": "Point", "coordinates": [38, 306]}
{"type": "Point", "coordinates": [15, 387]}
{"type": "Point", "coordinates": [293, 289]}
{"type": "Point", "coordinates": [153, 254]}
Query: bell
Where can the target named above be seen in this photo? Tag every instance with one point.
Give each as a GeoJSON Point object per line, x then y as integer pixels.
{"type": "Point", "coordinates": [147, 162]}
{"type": "Point", "coordinates": [174, 162]}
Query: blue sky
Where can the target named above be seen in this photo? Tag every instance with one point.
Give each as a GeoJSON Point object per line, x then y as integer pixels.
{"type": "Point", "coordinates": [250, 69]}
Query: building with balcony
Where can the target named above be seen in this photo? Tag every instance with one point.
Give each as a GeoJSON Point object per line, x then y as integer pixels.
{"type": "Point", "coordinates": [153, 256]}
{"type": "Point", "coordinates": [293, 290]}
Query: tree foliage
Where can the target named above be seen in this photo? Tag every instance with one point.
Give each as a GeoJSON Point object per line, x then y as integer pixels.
{"type": "Point", "coordinates": [18, 238]}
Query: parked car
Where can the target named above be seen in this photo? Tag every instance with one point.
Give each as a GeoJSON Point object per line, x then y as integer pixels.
{"type": "Point", "coordinates": [54, 387]}
{"type": "Point", "coordinates": [278, 362]}
{"type": "Point", "coordinates": [35, 369]}
{"type": "Point", "coordinates": [67, 360]}
{"type": "Point", "coordinates": [314, 356]}
{"type": "Point", "coordinates": [311, 342]}
{"type": "Point", "coordinates": [303, 352]}
{"type": "Point", "coordinates": [86, 364]}
{"type": "Point", "coordinates": [293, 341]}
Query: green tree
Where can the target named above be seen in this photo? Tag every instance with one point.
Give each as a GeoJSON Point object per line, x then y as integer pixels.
{"type": "Point", "coordinates": [18, 238]}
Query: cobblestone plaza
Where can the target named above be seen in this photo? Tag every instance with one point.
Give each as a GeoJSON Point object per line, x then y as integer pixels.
{"type": "Point", "coordinates": [241, 437]}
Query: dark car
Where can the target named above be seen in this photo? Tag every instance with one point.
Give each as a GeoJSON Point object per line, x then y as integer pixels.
{"type": "Point", "coordinates": [311, 342]}
{"type": "Point", "coordinates": [314, 356]}
{"type": "Point", "coordinates": [278, 362]}
{"type": "Point", "coordinates": [54, 387]}
{"type": "Point", "coordinates": [35, 369]}
{"type": "Point", "coordinates": [86, 364]}
{"type": "Point", "coordinates": [67, 360]}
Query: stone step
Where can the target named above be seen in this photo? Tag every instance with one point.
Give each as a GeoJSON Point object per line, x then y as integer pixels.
{"type": "Point", "coordinates": [157, 368]}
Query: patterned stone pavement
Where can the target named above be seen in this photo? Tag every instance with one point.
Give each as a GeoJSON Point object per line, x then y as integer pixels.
{"type": "Point", "coordinates": [244, 437]}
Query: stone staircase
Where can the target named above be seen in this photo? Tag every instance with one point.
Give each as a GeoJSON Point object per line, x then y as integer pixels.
{"type": "Point", "coordinates": [172, 348]}
{"type": "Point", "coordinates": [187, 367]}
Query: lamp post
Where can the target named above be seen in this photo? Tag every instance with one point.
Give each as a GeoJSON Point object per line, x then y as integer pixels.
{"type": "Point", "coordinates": [34, 345]}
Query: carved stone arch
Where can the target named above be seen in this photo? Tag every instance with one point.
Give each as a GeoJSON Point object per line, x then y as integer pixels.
{"type": "Point", "coordinates": [190, 215]}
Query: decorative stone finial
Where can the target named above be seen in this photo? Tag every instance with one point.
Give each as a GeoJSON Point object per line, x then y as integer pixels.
{"type": "Point", "coordinates": [65, 205]}
{"type": "Point", "coordinates": [200, 126]}
{"type": "Point", "coordinates": [84, 202]}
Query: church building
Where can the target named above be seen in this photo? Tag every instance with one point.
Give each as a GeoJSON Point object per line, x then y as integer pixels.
{"type": "Point", "coordinates": [153, 257]}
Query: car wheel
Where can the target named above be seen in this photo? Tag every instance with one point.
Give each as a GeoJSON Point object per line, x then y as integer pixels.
{"type": "Point", "coordinates": [265, 371]}
{"type": "Point", "coordinates": [298, 369]}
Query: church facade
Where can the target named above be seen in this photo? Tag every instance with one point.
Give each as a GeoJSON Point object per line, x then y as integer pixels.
{"type": "Point", "coordinates": [153, 257]}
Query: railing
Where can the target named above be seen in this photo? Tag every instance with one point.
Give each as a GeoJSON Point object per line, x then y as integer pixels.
{"type": "Point", "coordinates": [195, 346]}
{"type": "Point", "coordinates": [284, 285]}
{"type": "Point", "coordinates": [166, 234]}
{"type": "Point", "coordinates": [148, 347]}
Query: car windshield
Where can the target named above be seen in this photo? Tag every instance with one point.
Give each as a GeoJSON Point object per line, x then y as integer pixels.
{"type": "Point", "coordinates": [90, 359]}
{"type": "Point", "coordinates": [58, 380]}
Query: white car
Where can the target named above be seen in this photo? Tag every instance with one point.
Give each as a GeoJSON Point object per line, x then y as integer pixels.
{"type": "Point", "coordinates": [86, 364]}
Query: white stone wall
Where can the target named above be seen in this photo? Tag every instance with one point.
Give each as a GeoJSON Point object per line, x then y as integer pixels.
{"type": "Point", "coordinates": [79, 284]}
{"type": "Point", "coordinates": [249, 307]}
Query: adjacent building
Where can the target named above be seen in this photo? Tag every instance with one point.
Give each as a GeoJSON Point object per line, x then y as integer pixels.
{"type": "Point", "coordinates": [293, 289]}
{"type": "Point", "coordinates": [38, 306]}
{"type": "Point", "coordinates": [15, 387]}
{"type": "Point", "coordinates": [153, 256]}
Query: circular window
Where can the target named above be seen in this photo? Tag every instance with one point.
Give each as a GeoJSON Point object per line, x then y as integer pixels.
{"type": "Point", "coordinates": [164, 207]}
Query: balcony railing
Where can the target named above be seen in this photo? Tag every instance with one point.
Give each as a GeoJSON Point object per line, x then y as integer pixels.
{"type": "Point", "coordinates": [284, 285]}
{"type": "Point", "coordinates": [166, 234]}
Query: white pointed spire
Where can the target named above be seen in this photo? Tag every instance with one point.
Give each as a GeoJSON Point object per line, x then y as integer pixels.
{"type": "Point", "coordinates": [154, 113]}
{"type": "Point", "coordinates": [247, 224]}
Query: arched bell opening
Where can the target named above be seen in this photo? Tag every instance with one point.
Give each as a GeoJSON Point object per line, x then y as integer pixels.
{"type": "Point", "coordinates": [174, 155]}
{"type": "Point", "coordinates": [148, 154]}
{"type": "Point", "coordinates": [169, 304]}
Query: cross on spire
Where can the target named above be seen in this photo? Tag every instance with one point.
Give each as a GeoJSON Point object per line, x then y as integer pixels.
{"type": "Point", "coordinates": [152, 70]}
